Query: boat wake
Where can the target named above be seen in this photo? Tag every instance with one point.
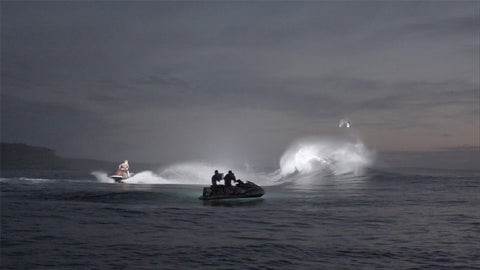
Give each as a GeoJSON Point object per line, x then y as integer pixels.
{"type": "Point", "coordinates": [188, 173]}
{"type": "Point", "coordinates": [307, 158]}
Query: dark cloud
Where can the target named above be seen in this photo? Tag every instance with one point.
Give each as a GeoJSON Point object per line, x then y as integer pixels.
{"type": "Point", "coordinates": [48, 124]}
{"type": "Point", "coordinates": [189, 77]}
{"type": "Point", "coordinates": [456, 26]}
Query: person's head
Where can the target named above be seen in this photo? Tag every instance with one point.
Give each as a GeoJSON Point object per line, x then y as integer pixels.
{"type": "Point", "coordinates": [229, 171]}
{"type": "Point", "coordinates": [216, 171]}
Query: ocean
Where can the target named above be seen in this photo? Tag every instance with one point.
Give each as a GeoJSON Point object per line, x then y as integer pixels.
{"type": "Point", "coordinates": [379, 219]}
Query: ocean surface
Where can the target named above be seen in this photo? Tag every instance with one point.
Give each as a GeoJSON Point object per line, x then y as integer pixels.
{"type": "Point", "coordinates": [418, 219]}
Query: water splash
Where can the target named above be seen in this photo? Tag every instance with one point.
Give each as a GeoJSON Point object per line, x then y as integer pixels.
{"type": "Point", "coordinates": [188, 173]}
{"type": "Point", "coordinates": [144, 177]}
{"type": "Point", "coordinates": [344, 123]}
{"type": "Point", "coordinates": [102, 177]}
{"type": "Point", "coordinates": [314, 155]}
{"type": "Point", "coordinates": [306, 157]}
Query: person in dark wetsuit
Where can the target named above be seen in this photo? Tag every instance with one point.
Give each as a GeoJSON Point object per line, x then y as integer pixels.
{"type": "Point", "coordinates": [229, 178]}
{"type": "Point", "coordinates": [217, 177]}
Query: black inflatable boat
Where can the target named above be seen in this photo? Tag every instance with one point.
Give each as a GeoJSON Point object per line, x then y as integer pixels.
{"type": "Point", "coordinates": [241, 190]}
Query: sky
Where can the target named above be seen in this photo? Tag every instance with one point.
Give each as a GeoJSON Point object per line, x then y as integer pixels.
{"type": "Point", "coordinates": [167, 81]}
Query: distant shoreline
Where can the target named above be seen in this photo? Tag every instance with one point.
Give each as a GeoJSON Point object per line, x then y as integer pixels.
{"type": "Point", "coordinates": [19, 156]}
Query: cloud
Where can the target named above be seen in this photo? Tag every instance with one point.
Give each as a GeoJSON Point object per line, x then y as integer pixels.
{"type": "Point", "coordinates": [69, 130]}
{"type": "Point", "coordinates": [462, 26]}
{"type": "Point", "coordinates": [166, 73]}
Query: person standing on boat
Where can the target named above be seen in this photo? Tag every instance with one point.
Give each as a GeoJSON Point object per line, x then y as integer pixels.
{"type": "Point", "coordinates": [229, 178]}
{"type": "Point", "coordinates": [124, 167]}
{"type": "Point", "coordinates": [217, 177]}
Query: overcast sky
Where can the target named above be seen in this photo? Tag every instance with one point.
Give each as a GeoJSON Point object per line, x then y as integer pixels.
{"type": "Point", "coordinates": [172, 81]}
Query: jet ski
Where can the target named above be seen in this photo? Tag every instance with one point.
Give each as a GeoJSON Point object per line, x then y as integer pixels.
{"type": "Point", "coordinates": [241, 190]}
{"type": "Point", "coordinates": [119, 175]}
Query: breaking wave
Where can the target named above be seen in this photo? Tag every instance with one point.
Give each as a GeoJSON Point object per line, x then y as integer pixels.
{"type": "Point", "coordinates": [329, 156]}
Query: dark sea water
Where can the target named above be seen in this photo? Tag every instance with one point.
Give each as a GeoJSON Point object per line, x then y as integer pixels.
{"type": "Point", "coordinates": [381, 220]}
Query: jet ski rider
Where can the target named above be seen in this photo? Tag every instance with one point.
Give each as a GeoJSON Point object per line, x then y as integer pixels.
{"type": "Point", "coordinates": [217, 177]}
{"type": "Point", "coordinates": [229, 178]}
{"type": "Point", "coordinates": [124, 167]}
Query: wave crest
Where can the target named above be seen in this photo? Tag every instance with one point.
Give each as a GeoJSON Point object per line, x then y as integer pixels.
{"type": "Point", "coordinates": [314, 155]}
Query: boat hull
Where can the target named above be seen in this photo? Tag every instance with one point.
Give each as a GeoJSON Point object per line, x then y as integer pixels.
{"type": "Point", "coordinates": [120, 175]}
{"type": "Point", "coordinates": [117, 178]}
